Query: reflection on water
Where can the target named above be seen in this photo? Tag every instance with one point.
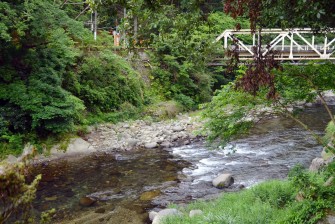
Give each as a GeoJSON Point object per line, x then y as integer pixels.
{"type": "Point", "coordinates": [141, 180]}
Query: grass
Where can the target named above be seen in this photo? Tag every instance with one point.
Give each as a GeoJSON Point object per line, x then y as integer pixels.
{"type": "Point", "coordinates": [264, 203]}
{"type": "Point", "coordinates": [269, 202]}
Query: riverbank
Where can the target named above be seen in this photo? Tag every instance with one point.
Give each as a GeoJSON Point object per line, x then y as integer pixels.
{"type": "Point", "coordinates": [131, 135]}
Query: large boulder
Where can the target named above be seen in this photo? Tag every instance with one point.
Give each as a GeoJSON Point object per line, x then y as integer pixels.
{"type": "Point", "coordinates": [317, 164]}
{"type": "Point", "coordinates": [223, 180]}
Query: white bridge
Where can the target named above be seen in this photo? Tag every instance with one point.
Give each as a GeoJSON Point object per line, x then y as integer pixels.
{"type": "Point", "coordinates": [290, 44]}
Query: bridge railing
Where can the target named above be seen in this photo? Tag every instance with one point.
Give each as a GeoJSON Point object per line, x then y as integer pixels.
{"type": "Point", "coordinates": [304, 44]}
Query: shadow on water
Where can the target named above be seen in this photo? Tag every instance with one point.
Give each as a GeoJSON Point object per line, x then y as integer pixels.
{"type": "Point", "coordinates": [141, 180]}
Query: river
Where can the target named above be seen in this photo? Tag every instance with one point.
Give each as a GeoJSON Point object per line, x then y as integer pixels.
{"type": "Point", "coordinates": [126, 185]}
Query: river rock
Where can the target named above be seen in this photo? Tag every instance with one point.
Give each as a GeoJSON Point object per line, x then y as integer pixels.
{"type": "Point", "coordinates": [223, 180]}
{"type": "Point", "coordinates": [195, 213]}
{"type": "Point", "coordinates": [100, 210]}
{"type": "Point", "coordinates": [147, 196]}
{"type": "Point", "coordinates": [316, 164]}
{"type": "Point", "coordinates": [166, 144]}
{"type": "Point", "coordinates": [177, 128]}
{"type": "Point", "coordinates": [151, 145]}
{"type": "Point", "coordinates": [11, 159]}
{"type": "Point", "coordinates": [325, 154]}
{"type": "Point", "coordinates": [78, 145]}
{"type": "Point", "coordinates": [152, 215]}
{"type": "Point", "coordinates": [86, 201]}
{"type": "Point", "coordinates": [132, 142]}
{"type": "Point", "coordinates": [329, 182]}
{"type": "Point", "coordinates": [165, 213]}
{"type": "Point", "coordinates": [174, 137]}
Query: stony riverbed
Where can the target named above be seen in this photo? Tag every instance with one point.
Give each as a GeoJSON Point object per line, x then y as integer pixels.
{"type": "Point", "coordinates": [131, 171]}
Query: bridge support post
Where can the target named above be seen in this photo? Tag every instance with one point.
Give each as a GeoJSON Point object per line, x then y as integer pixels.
{"type": "Point", "coordinates": [291, 48]}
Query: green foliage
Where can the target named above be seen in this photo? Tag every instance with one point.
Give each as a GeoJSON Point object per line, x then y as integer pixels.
{"type": "Point", "coordinates": [305, 81]}
{"type": "Point", "coordinates": [164, 110]}
{"type": "Point", "coordinates": [256, 205]}
{"type": "Point", "coordinates": [301, 13]}
{"type": "Point", "coordinates": [51, 70]}
{"type": "Point", "coordinates": [232, 110]}
{"type": "Point", "coordinates": [317, 198]}
{"type": "Point", "coordinates": [47, 216]}
{"type": "Point", "coordinates": [32, 67]}
{"type": "Point", "coordinates": [184, 48]}
{"type": "Point", "coordinates": [269, 202]}
{"type": "Point", "coordinates": [230, 113]}
{"type": "Point", "coordinates": [105, 81]}
{"type": "Point", "coordinates": [17, 192]}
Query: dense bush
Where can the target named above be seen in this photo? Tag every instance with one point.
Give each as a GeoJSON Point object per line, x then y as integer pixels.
{"type": "Point", "coordinates": [104, 81]}
{"type": "Point", "coordinates": [50, 70]}
{"type": "Point", "coordinates": [184, 49]}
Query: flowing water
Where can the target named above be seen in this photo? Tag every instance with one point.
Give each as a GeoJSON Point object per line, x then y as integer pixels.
{"type": "Point", "coordinates": [142, 180]}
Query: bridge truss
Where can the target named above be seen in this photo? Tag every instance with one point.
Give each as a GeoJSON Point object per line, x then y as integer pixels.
{"type": "Point", "coordinates": [286, 45]}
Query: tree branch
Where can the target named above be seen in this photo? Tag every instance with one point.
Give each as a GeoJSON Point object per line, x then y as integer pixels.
{"type": "Point", "coordinates": [82, 12]}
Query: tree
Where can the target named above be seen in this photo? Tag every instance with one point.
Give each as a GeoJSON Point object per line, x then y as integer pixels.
{"type": "Point", "coordinates": [265, 82]}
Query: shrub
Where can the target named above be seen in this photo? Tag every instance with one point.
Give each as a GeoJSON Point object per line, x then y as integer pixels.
{"type": "Point", "coordinates": [17, 192]}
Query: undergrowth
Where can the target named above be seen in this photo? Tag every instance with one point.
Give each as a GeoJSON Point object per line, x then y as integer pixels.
{"type": "Point", "coordinates": [274, 201]}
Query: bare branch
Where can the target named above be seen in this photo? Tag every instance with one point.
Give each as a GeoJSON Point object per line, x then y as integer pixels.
{"type": "Point", "coordinates": [82, 12]}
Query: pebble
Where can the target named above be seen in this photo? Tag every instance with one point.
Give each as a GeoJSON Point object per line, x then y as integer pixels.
{"type": "Point", "coordinates": [86, 201]}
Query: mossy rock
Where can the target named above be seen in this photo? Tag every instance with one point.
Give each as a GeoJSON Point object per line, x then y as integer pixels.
{"type": "Point", "coordinates": [149, 195]}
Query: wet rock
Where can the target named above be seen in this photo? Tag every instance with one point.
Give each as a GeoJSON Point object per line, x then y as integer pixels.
{"type": "Point", "coordinates": [158, 218]}
{"type": "Point", "coordinates": [68, 193]}
{"type": "Point", "coordinates": [223, 180]}
{"type": "Point", "coordinates": [316, 164]}
{"type": "Point", "coordinates": [52, 198]}
{"type": "Point", "coordinates": [151, 145]}
{"type": "Point", "coordinates": [86, 201]}
{"type": "Point", "coordinates": [166, 144]}
{"type": "Point", "coordinates": [147, 196]}
{"type": "Point", "coordinates": [48, 177]}
{"type": "Point", "coordinates": [100, 210]}
{"type": "Point", "coordinates": [195, 213]}
{"type": "Point", "coordinates": [187, 142]}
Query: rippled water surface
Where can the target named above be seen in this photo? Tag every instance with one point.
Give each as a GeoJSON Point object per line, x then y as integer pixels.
{"type": "Point", "coordinates": [142, 180]}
